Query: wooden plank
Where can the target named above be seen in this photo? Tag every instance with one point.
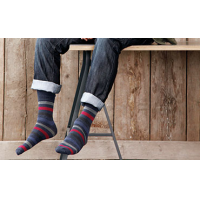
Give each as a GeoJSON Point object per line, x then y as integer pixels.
{"type": "Point", "coordinates": [100, 123]}
{"type": "Point", "coordinates": [64, 100]}
{"type": "Point", "coordinates": [173, 150]}
{"type": "Point", "coordinates": [193, 96]}
{"type": "Point", "coordinates": [168, 96]}
{"type": "Point", "coordinates": [105, 149]}
{"type": "Point", "coordinates": [131, 120]}
{"type": "Point", "coordinates": [31, 98]}
{"type": "Point", "coordinates": [180, 40]}
{"type": "Point", "coordinates": [194, 40]}
{"type": "Point", "coordinates": [182, 46]}
{"type": "Point", "coordinates": [1, 85]}
{"type": "Point", "coordinates": [15, 90]}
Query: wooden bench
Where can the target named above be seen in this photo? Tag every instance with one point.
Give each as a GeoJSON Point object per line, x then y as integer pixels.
{"type": "Point", "coordinates": [181, 46]}
{"type": "Point", "coordinates": [88, 48]}
{"type": "Point", "coordinates": [131, 149]}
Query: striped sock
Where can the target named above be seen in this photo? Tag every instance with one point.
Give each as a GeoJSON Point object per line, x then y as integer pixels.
{"type": "Point", "coordinates": [45, 127]}
{"type": "Point", "coordinates": [78, 135]}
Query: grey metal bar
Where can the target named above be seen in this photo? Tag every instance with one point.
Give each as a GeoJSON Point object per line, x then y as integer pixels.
{"type": "Point", "coordinates": [82, 85]}
{"type": "Point", "coordinates": [113, 134]}
{"type": "Point", "coordinates": [79, 92]}
{"type": "Point", "coordinates": [76, 104]}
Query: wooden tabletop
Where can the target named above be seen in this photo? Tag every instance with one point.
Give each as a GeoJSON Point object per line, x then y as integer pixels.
{"type": "Point", "coordinates": [181, 46]}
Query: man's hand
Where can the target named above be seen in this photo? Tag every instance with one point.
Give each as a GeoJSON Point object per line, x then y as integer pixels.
{"type": "Point", "coordinates": [86, 39]}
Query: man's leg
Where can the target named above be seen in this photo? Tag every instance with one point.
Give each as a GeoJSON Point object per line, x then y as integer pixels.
{"type": "Point", "coordinates": [47, 83]}
{"type": "Point", "coordinates": [99, 84]}
{"type": "Point", "coordinates": [104, 68]}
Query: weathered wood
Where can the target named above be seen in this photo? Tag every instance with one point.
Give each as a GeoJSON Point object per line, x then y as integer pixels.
{"type": "Point", "coordinates": [100, 124]}
{"type": "Point", "coordinates": [182, 46]}
{"type": "Point", "coordinates": [193, 96]}
{"type": "Point", "coordinates": [173, 150]}
{"type": "Point", "coordinates": [132, 96]}
{"type": "Point", "coordinates": [31, 98]}
{"type": "Point", "coordinates": [194, 40]}
{"type": "Point", "coordinates": [1, 85]}
{"type": "Point", "coordinates": [15, 90]}
{"type": "Point", "coordinates": [180, 40]}
{"type": "Point", "coordinates": [105, 149]}
{"type": "Point", "coordinates": [168, 96]}
{"type": "Point", "coordinates": [64, 100]}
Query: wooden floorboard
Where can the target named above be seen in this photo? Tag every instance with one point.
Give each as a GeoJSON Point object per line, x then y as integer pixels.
{"type": "Point", "coordinates": [105, 149]}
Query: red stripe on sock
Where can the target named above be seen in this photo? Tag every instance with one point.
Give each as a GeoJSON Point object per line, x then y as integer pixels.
{"type": "Point", "coordinates": [23, 147]}
{"type": "Point", "coordinates": [68, 148]}
{"type": "Point", "coordinates": [79, 134]}
{"type": "Point", "coordinates": [45, 134]}
{"type": "Point", "coordinates": [88, 115]}
{"type": "Point", "coordinates": [45, 108]}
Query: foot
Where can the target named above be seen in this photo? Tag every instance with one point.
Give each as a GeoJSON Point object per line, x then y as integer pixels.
{"type": "Point", "coordinates": [45, 127]}
{"type": "Point", "coordinates": [78, 135]}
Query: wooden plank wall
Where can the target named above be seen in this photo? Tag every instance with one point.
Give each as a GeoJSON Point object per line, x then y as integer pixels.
{"type": "Point", "coordinates": [132, 92]}
{"type": "Point", "coordinates": [1, 86]}
{"type": "Point", "coordinates": [31, 97]}
{"type": "Point", "coordinates": [156, 95]}
{"type": "Point", "coordinates": [168, 96]}
{"type": "Point", "coordinates": [193, 94]}
{"type": "Point", "coordinates": [15, 90]}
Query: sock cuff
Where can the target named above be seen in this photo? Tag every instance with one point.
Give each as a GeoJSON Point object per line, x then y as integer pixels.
{"type": "Point", "coordinates": [91, 106]}
{"type": "Point", "coordinates": [45, 96]}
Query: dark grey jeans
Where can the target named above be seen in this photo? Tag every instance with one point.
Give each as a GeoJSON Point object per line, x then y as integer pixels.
{"type": "Point", "coordinates": [103, 69]}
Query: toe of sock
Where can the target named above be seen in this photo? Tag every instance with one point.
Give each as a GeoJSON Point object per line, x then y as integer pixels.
{"type": "Point", "coordinates": [19, 151]}
{"type": "Point", "coordinates": [63, 150]}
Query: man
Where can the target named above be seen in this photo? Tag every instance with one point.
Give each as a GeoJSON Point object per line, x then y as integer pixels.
{"type": "Point", "coordinates": [99, 84]}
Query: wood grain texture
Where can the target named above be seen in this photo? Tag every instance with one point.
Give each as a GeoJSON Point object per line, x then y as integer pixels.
{"type": "Point", "coordinates": [31, 98]}
{"type": "Point", "coordinates": [132, 96]}
{"type": "Point", "coordinates": [168, 96]}
{"type": "Point", "coordinates": [193, 96]}
{"type": "Point", "coordinates": [195, 40]}
{"type": "Point", "coordinates": [1, 85]}
{"type": "Point", "coordinates": [182, 46]}
{"type": "Point", "coordinates": [15, 90]}
{"type": "Point", "coordinates": [180, 40]}
{"type": "Point", "coordinates": [64, 100]}
{"type": "Point", "coordinates": [100, 123]}
{"type": "Point", "coordinates": [105, 149]}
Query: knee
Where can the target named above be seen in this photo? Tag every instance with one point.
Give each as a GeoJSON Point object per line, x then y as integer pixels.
{"type": "Point", "coordinates": [108, 43]}
{"type": "Point", "coordinates": [43, 44]}
{"type": "Point", "coordinates": [104, 41]}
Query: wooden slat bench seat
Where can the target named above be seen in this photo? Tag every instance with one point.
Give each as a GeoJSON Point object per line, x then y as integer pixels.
{"type": "Point", "coordinates": [181, 46]}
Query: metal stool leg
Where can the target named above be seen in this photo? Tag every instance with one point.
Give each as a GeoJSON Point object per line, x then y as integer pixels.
{"type": "Point", "coordinates": [79, 92]}
{"type": "Point", "coordinates": [113, 134]}
{"type": "Point", "coordinates": [76, 104]}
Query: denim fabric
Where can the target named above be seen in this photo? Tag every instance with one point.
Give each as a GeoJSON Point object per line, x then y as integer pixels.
{"type": "Point", "coordinates": [103, 69]}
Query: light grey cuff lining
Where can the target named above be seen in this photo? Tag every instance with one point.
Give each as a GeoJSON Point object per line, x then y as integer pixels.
{"type": "Point", "coordinates": [46, 86]}
{"type": "Point", "coordinates": [91, 99]}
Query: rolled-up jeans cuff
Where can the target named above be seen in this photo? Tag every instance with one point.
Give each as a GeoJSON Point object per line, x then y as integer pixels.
{"type": "Point", "coordinates": [93, 100]}
{"type": "Point", "coordinates": [46, 86]}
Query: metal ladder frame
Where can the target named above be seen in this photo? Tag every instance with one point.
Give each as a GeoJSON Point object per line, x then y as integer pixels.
{"type": "Point", "coordinates": [77, 103]}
